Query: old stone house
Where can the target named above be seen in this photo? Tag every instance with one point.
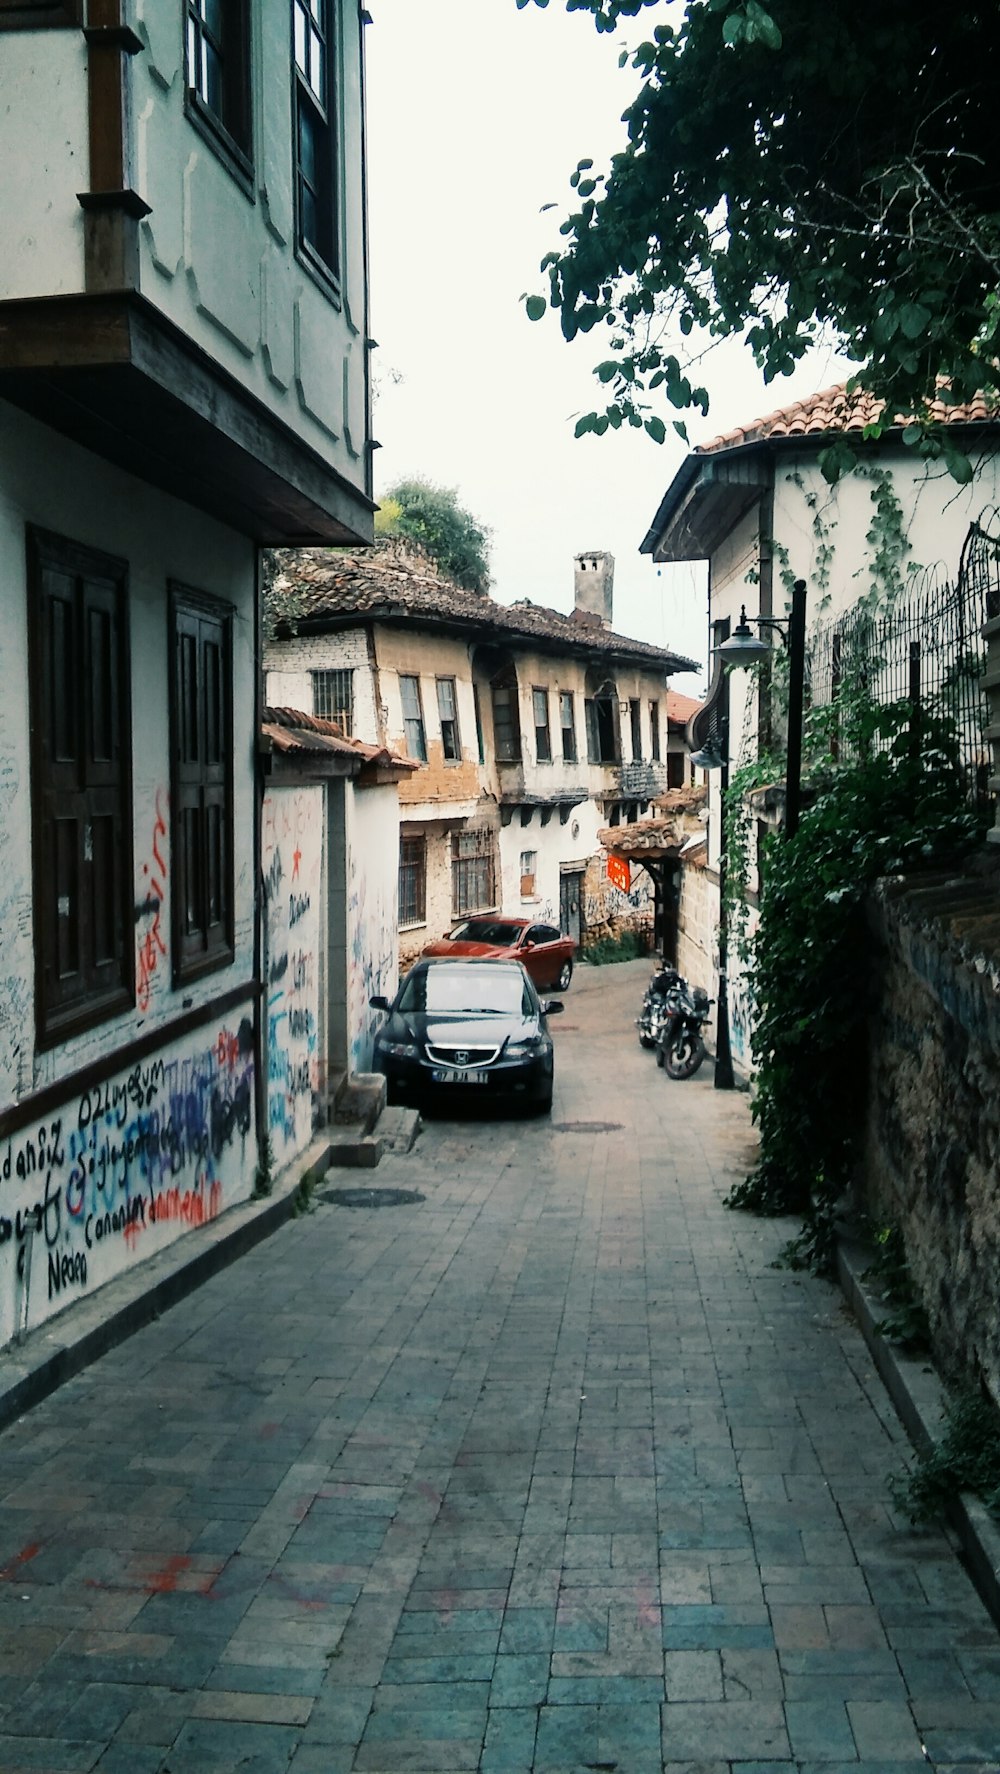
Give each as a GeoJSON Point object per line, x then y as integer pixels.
{"type": "Point", "coordinates": [531, 729]}
{"type": "Point", "coordinates": [183, 379]}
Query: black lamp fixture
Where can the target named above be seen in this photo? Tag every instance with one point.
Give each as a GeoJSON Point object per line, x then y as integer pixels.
{"type": "Point", "coordinates": [709, 757]}
{"type": "Point", "coordinates": [746, 648]}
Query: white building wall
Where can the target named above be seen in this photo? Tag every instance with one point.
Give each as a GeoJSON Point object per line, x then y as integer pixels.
{"type": "Point", "coordinates": [289, 666]}
{"type": "Point", "coordinates": [293, 832]}
{"type": "Point", "coordinates": [372, 819]}
{"type": "Point", "coordinates": [43, 101]}
{"type": "Point", "coordinates": [198, 1091]}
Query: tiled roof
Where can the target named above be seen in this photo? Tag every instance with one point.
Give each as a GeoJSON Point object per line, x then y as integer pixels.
{"type": "Point", "coordinates": [389, 584]}
{"type": "Point", "coordinates": [289, 730]}
{"type": "Point", "coordinates": [835, 410]}
{"type": "Point", "coordinates": [681, 708]}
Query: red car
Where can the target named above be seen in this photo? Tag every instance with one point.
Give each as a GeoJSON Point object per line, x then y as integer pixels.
{"type": "Point", "coordinates": [542, 950]}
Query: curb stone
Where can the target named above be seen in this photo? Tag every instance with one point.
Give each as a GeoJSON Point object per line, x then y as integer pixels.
{"type": "Point", "coordinates": [919, 1398]}
{"type": "Point", "coordinates": [46, 1358]}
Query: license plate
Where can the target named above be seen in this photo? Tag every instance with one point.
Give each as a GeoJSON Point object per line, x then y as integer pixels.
{"type": "Point", "coordinates": [448, 1075]}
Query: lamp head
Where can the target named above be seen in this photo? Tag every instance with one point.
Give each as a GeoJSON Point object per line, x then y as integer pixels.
{"type": "Point", "coordinates": [743, 646]}
{"type": "Point", "coordinates": [709, 757]}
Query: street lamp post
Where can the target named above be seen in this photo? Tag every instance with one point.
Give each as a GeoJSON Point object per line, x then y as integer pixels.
{"type": "Point", "coordinates": [746, 648]}
{"type": "Point", "coordinates": [714, 755]}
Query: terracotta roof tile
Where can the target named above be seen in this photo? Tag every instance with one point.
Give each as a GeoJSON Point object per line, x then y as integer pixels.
{"type": "Point", "coordinates": [395, 584]}
{"type": "Point", "coordinates": [290, 730]}
{"type": "Point", "coordinates": [834, 410]}
{"type": "Point", "coordinates": [681, 708]}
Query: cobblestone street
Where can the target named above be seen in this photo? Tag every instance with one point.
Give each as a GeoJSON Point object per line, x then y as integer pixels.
{"type": "Point", "coordinates": [551, 1470]}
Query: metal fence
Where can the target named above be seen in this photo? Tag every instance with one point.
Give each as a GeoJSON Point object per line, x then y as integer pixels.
{"type": "Point", "coordinates": [923, 650]}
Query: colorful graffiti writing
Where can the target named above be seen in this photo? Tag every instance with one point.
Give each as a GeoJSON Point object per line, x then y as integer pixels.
{"type": "Point", "coordinates": [151, 948]}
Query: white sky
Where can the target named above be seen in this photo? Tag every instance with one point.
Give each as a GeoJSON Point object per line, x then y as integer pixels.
{"type": "Point", "coordinates": [477, 115]}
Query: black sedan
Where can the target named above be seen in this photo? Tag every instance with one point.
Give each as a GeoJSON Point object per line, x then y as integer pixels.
{"type": "Point", "coordinates": [470, 1029]}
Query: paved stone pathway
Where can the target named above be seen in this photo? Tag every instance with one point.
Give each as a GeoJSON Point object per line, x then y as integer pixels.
{"type": "Point", "coordinates": [549, 1472]}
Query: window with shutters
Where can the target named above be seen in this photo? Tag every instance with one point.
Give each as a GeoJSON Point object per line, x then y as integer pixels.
{"type": "Point", "coordinates": [201, 753]}
{"type": "Point", "coordinates": [80, 786]}
{"type": "Point", "coordinates": [568, 725]}
{"type": "Point", "coordinates": [218, 75]}
{"type": "Point", "coordinates": [413, 717]}
{"type": "Point", "coordinates": [451, 744]}
{"type": "Point", "coordinates": [315, 137]}
{"type": "Point", "coordinates": [540, 713]}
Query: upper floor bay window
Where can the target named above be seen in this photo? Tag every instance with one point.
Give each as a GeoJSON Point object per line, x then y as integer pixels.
{"type": "Point", "coordinates": [543, 738]}
{"type": "Point", "coordinates": [316, 219]}
{"type": "Point", "coordinates": [635, 721]}
{"type": "Point", "coordinates": [506, 721]}
{"type": "Point", "coordinates": [413, 717]}
{"type": "Point", "coordinates": [333, 698]}
{"type": "Point", "coordinates": [451, 744]}
{"type": "Point", "coordinates": [218, 70]}
{"type": "Point", "coordinates": [567, 722]}
{"type": "Point", "coordinates": [80, 786]}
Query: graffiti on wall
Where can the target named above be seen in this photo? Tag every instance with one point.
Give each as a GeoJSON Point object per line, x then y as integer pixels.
{"type": "Point", "coordinates": [371, 966]}
{"type": "Point", "coordinates": [151, 947]}
{"type": "Point", "coordinates": [121, 1170]}
{"type": "Point", "coordinates": [292, 886]}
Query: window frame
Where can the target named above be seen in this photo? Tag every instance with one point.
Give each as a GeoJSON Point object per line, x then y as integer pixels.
{"type": "Point", "coordinates": [230, 131]}
{"type": "Point", "coordinates": [570, 754]}
{"type": "Point", "coordinates": [451, 744]}
{"type": "Point", "coordinates": [463, 873]}
{"type": "Point", "coordinates": [342, 707]}
{"type": "Point", "coordinates": [319, 108]}
{"type": "Point", "coordinates": [417, 841]}
{"type": "Point", "coordinates": [97, 1000]}
{"type": "Point", "coordinates": [510, 727]}
{"type": "Point", "coordinates": [654, 729]}
{"type": "Point", "coordinates": [529, 873]}
{"type": "Point", "coordinates": [477, 708]}
{"type": "Point", "coordinates": [208, 946]}
{"type": "Point", "coordinates": [635, 726]}
{"type": "Point", "coordinates": [413, 720]}
{"type": "Point", "coordinates": [543, 729]}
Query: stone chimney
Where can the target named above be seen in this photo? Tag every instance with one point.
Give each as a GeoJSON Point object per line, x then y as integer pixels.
{"type": "Point", "coordinates": [593, 587]}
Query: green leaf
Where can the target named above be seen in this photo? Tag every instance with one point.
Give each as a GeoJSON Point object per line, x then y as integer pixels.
{"type": "Point", "coordinates": [733, 28]}
{"type": "Point", "coordinates": [958, 465]}
{"type": "Point", "coordinates": [535, 307]}
{"type": "Point", "coordinates": [607, 371]}
{"type": "Point", "coordinates": [656, 428]}
{"type": "Point", "coordinates": [913, 318]}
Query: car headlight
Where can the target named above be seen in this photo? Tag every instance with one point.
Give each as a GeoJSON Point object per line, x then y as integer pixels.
{"type": "Point", "coordinates": [517, 1049]}
{"type": "Point", "coordinates": [399, 1049]}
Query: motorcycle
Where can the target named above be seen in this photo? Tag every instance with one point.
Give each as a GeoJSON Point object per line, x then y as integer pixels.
{"type": "Point", "coordinates": [649, 1021]}
{"type": "Point", "coordinates": [680, 1046]}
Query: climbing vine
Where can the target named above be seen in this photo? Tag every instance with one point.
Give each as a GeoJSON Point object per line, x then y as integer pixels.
{"type": "Point", "coordinates": [898, 806]}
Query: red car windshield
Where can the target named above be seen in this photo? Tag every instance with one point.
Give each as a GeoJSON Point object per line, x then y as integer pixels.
{"type": "Point", "coordinates": [491, 930]}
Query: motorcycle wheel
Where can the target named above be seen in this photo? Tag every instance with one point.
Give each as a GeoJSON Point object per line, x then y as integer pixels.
{"type": "Point", "coordinates": [685, 1055]}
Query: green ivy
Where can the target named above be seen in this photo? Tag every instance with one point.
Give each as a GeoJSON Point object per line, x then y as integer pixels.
{"type": "Point", "coordinates": [894, 809]}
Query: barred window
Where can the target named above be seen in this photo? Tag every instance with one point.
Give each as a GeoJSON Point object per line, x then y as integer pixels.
{"type": "Point", "coordinates": [473, 871]}
{"type": "Point", "coordinates": [333, 698]}
{"type": "Point", "coordinates": [412, 881]}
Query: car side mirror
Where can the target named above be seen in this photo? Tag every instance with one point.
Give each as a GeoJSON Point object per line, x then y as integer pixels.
{"type": "Point", "coordinates": [527, 943]}
{"type": "Point", "coordinates": [553, 1007]}
{"type": "Point", "coordinates": [379, 1003]}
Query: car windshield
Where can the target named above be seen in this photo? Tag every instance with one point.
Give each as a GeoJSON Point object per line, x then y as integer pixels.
{"type": "Point", "coordinates": [473, 991]}
{"type": "Point", "coordinates": [492, 930]}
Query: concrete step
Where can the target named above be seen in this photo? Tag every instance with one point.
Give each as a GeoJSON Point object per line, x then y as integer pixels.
{"type": "Point", "coordinates": [398, 1128]}
{"type": "Point", "coordinates": [361, 1097]}
{"type": "Point", "coordinates": [354, 1147]}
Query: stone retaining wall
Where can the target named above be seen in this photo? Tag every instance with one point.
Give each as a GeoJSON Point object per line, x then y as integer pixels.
{"type": "Point", "coordinates": [932, 1157]}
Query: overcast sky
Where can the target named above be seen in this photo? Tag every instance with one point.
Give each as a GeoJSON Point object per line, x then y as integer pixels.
{"type": "Point", "coordinates": [477, 115]}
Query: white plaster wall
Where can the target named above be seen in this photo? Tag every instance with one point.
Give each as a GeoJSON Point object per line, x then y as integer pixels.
{"type": "Point", "coordinates": [43, 107]}
{"type": "Point", "coordinates": [49, 482]}
{"type": "Point", "coordinates": [221, 263]}
{"type": "Point", "coordinates": [292, 848]}
{"type": "Point", "coordinates": [372, 818]}
{"type": "Point", "coordinates": [573, 843]}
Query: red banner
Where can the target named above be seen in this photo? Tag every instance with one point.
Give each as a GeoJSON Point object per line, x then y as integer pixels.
{"type": "Point", "coordinates": [619, 873]}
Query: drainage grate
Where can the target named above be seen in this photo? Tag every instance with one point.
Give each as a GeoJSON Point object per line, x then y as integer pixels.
{"type": "Point", "coordinates": [369, 1197]}
{"type": "Point", "coordinates": [587, 1126]}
